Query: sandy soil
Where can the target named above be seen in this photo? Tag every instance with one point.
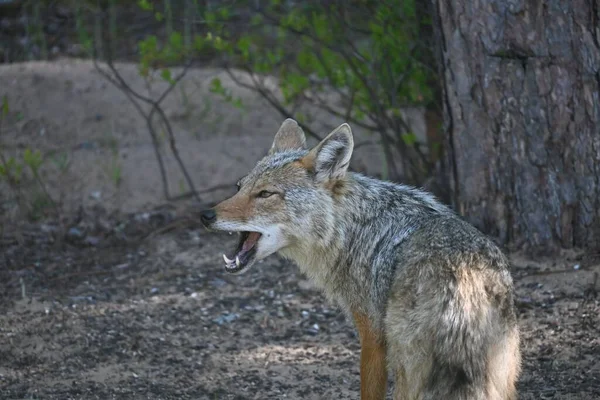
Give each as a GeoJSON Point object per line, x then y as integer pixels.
{"type": "Point", "coordinates": [66, 108]}
{"type": "Point", "coordinates": [136, 305]}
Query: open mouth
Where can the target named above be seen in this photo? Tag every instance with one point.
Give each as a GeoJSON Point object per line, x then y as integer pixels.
{"type": "Point", "coordinates": [244, 253]}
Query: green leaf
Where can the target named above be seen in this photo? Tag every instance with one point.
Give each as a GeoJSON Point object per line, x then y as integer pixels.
{"type": "Point", "coordinates": [144, 5]}
{"type": "Point", "coordinates": [244, 45]}
{"type": "Point", "coordinates": [224, 12]}
{"type": "Point", "coordinates": [210, 17]}
{"type": "Point", "coordinates": [159, 16]}
{"type": "Point", "coordinates": [216, 86]}
{"type": "Point", "coordinates": [322, 28]}
{"type": "Point", "coordinates": [12, 170]}
{"type": "Point", "coordinates": [409, 138]}
{"type": "Point", "coordinates": [256, 20]}
{"type": "Point", "coordinates": [166, 75]}
{"type": "Point", "coordinates": [238, 103]}
{"type": "Point", "coordinates": [198, 43]}
{"type": "Point", "coordinates": [27, 156]}
{"type": "Point", "coordinates": [33, 159]}
{"type": "Point", "coordinates": [221, 45]}
{"type": "Point", "coordinates": [148, 45]}
{"type": "Point", "coordinates": [176, 40]}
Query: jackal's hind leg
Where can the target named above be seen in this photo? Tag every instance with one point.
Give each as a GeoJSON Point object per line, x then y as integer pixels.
{"type": "Point", "coordinates": [373, 370]}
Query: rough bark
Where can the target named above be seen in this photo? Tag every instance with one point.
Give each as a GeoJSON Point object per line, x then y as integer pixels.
{"type": "Point", "coordinates": [522, 117]}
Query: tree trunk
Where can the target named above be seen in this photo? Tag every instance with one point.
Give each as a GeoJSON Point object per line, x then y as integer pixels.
{"type": "Point", "coordinates": [522, 115]}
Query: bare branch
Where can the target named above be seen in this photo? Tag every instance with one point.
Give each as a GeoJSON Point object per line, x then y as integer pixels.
{"type": "Point", "coordinates": [151, 131]}
{"type": "Point", "coordinates": [117, 80]}
{"type": "Point", "coordinates": [156, 107]}
{"type": "Point", "coordinates": [265, 93]}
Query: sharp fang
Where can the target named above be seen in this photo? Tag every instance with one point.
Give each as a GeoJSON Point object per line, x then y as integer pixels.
{"type": "Point", "coordinates": [238, 262]}
{"type": "Point", "coordinates": [227, 260]}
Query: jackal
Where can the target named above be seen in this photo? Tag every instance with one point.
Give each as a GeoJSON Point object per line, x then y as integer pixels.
{"type": "Point", "coordinates": [430, 295]}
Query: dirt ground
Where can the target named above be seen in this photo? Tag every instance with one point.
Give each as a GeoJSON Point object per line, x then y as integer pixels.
{"type": "Point", "coordinates": [134, 303]}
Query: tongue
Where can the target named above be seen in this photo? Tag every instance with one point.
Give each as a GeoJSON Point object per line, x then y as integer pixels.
{"type": "Point", "coordinates": [250, 241]}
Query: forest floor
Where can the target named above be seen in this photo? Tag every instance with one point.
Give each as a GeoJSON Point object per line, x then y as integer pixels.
{"type": "Point", "coordinates": [125, 299]}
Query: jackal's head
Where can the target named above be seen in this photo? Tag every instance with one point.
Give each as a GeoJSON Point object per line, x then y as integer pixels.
{"type": "Point", "coordinates": [286, 201]}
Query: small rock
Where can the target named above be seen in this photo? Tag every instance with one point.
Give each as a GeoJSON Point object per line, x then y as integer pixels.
{"type": "Point", "coordinates": [313, 330]}
{"type": "Point", "coordinates": [75, 233]}
{"type": "Point", "coordinates": [226, 318]}
{"type": "Point", "coordinates": [92, 240]}
{"type": "Point", "coordinates": [154, 290]}
{"type": "Point", "coordinates": [48, 228]}
{"type": "Point", "coordinates": [217, 282]}
{"type": "Point", "coordinates": [83, 299]}
{"type": "Point", "coordinates": [576, 266]}
{"type": "Point", "coordinates": [142, 217]}
{"type": "Point", "coordinates": [96, 195]}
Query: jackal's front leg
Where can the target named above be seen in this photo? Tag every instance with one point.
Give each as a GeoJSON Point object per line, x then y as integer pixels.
{"type": "Point", "coordinates": [373, 372]}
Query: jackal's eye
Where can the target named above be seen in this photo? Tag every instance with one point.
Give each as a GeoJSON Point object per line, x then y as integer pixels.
{"type": "Point", "coordinates": [263, 194]}
{"type": "Point", "coordinates": [238, 187]}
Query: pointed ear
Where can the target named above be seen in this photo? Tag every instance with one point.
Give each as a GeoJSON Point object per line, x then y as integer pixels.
{"type": "Point", "coordinates": [289, 137]}
{"type": "Point", "coordinates": [331, 157]}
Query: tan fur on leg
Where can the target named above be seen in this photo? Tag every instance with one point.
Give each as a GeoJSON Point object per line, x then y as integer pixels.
{"type": "Point", "coordinates": [373, 372]}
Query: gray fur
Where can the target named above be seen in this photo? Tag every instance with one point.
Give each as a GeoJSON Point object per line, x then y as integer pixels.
{"type": "Point", "coordinates": [435, 290]}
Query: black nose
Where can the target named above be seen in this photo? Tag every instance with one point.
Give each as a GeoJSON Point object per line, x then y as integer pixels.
{"type": "Point", "coordinates": [208, 216]}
